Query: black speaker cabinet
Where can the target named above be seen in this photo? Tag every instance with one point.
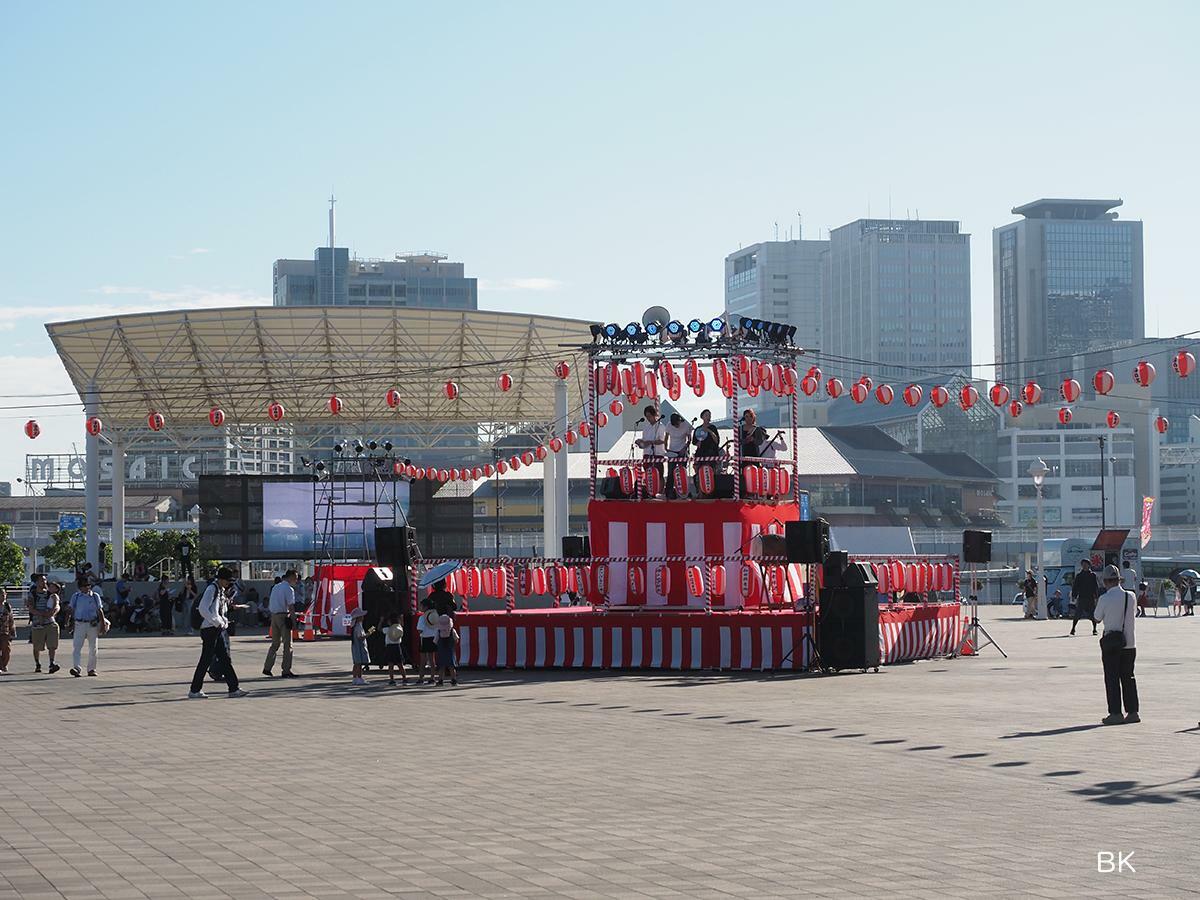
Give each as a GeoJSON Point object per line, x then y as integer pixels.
{"type": "Point", "coordinates": [576, 546]}
{"type": "Point", "coordinates": [610, 488]}
{"type": "Point", "coordinates": [381, 602]}
{"type": "Point", "coordinates": [977, 546]}
{"type": "Point", "coordinates": [722, 486]}
{"type": "Point", "coordinates": [848, 620]}
{"type": "Point", "coordinates": [807, 542]}
{"type": "Point", "coordinates": [394, 549]}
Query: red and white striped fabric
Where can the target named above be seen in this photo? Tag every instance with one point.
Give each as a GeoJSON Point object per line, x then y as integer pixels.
{"type": "Point", "coordinates": [920, 632]}
{"type": "Point", "coordinates": [339, 588]}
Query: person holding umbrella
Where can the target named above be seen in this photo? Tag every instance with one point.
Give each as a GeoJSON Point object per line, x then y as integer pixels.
{"type": "Point", "coordinates": [439, 602]}
{"type": "Point", "coordinates": [1186, 585]}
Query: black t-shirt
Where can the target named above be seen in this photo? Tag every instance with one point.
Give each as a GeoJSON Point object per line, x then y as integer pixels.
{"type": "Point", "coordinates": [1086, 587]}
{"type": "Point", "coordinates": [707, 440]}
{"type": "Point", "coordinates": [443, 602]}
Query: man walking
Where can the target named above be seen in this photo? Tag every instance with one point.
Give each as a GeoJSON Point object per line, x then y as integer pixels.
{"type": "Point", "coordinates": [1116, 610]}
{"type": "Point", "coordinates": [1084, 592]}
{"type": "Point", "coordinates": [88, 608]}
{"type": "Point", "coordinates": [280, 605]}
{"type": "Point", "coordinates": [214, 603]}
{"type": "Point", "coordinates": [43, 628]}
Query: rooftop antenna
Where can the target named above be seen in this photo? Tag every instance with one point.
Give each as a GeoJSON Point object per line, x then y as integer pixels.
{"type": "Point", "coordinates": [776, 231]}
{"type": "Point", "coordinates": [799, 226]}
{"type": "Point", "coordinates": [332, 200]}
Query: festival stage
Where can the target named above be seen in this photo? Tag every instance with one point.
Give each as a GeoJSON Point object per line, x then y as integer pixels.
{"type": "Point", "coordinates": [585, 638]}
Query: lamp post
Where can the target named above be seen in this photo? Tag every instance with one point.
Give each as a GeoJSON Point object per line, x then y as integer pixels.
{"type": "Point", "coordinates": [1037, 471]}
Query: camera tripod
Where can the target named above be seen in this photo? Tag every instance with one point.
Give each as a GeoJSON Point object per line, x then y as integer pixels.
{"type": "Point", "coordinates": [974, 628]}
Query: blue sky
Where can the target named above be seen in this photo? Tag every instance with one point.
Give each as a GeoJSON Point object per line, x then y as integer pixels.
{"type": "Point", "coordinates": [576, 158]}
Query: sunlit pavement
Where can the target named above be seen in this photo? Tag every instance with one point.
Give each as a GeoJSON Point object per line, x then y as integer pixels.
{"type": "Point", "coordinates": [945, 778]}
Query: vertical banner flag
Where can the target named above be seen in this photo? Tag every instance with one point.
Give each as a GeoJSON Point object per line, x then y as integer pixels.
{"type": "Point", "coordinates": [1147, 511]}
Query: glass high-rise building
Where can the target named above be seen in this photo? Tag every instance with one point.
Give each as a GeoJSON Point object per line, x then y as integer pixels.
{"type": "Point", "coordinates": [896, 299]}
{"type": "Point", "coordinates": [333, 278]}
{"type": "Point", "coordinates": [1067, 281]}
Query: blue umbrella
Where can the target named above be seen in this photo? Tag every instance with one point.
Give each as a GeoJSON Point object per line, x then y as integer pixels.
{"type": "Point", "coordinates": [1188, 573]}
{"type": "Point", "coordinates": [438, 572]}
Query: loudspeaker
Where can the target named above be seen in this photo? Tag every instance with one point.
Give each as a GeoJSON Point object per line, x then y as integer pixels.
{"type": "Point", "coordinates": [380, 602]}
{"type": "Point", "coordinates": [977, 546]}
{"type": "Point", "coordinates": [576, 546]}
{"type": "Point", "coordinates": [722, 486]}
{"type": "Point", "coordinates": [848, 619]}
{"type": "Point", "coordinates": [807, 542]}
{"type": "Point", "coordinates": [394, 549]}
{"type": "Point", "coordinates": [610, 488]}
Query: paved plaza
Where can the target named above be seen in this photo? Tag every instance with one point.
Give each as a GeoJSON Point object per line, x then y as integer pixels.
{"type": "Point", "coordinates": [945, 778]}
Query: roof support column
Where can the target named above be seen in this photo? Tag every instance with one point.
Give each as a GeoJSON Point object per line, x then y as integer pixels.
{"type": "Point", "coordinates": [549, 506]}
{"type": "Point", "coordinates": [117, 540]}
{"type": "Point", "coordinates": [562, 512]}
{"type": "Point", "coordinates": [91, 492]}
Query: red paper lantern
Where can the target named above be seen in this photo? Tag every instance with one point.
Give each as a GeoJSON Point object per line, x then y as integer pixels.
{"type": "Point", "coordinates": [752, 480]}
{"type": "Point", "coordinates": [766, 377]}
{"type": "Point", "coordinates": [1103, 381]}
{"type": "Point", "coordinates": [717, 580]}
{"type": "Point", "coordinates": [866, 379]}
{"type": "Point", "coordinates": [698, 384]}
{"type": "Point", "coordinates": [32, 429]}
{"type": "Point", "coordinates": [1069, 390]}
{"type": "Point", "coordinates": [859, 392]}
{"type": "Point", "coordinates": [527, 457]}
{"type": "Point", "coordinates": [789, 378]}
{"type": "Point", "coordinates": [525, 581]}
{"type": "Point", "coordinates": [707, 478]}
{"type": "Point", "coordinates": [809, 385]}
{"type": "Point", "coordinates": [540, 452]}
{"type": "Point", "coordinates": [538, 582]}
{"type": "Point", "coordinates": [562, 370]}
{"type": "Point", "coordinates": [968, 396]}
{"type": "Point", "coordinates": [939, 396]}
{"type": "Point", "coordinates": [814, 372]}
{"type": "Point", "coordinates": [443, 475]}
{"type": "Point", "coordinates": [556, 444]}
{"type": "Point", "coordinates": [600, 578]}
{"type": "Point", "coordinates": [691, 369]}
{"type": "Point", "coordinates": [570, 438]}
{"type": "Point", "coordinates": [912, 395]}
{"type": "Point", "coordinates": [614, 378]}
{"type": "Point", "coordinates": [651, 383]}
{"type": "Point", "coordinates": [1144, 373]}
{"type": "Point", "coordinates": [666, 373]}
{"type": "Point", "coordinates": [785, 482]}
{"type": "Point", "coordinates": [720, 370]}
{"type": "Point", "coordinates": [554, 581]}
{"type": "Point", "coordinates": [1065, 415]}
{"type": "Point", "coordinates": [451, 390]}
{"type": "Point", "coordinates": [335, 404]}
{"type": "Point", "coordinates": [616, 407]}
{"type": "Point", "coordinates": [896, 574]}
{"type": "Point", "coordinates": [216, 417]}
{"type": "Point", "coordinates": [601, 419]}
{"type": "Point", "coordinates": [680, 480]}
{"type": "Point", "coordinates": [501, 466]}
{"type": "Point", "coordinates": [1184, 363]}
{"type": "Point", "coordinates": [584, 429]}
{"type": "Point", "coordinates": [637, 581]}
{"type": "Point", "coordinates": [93, 425]}
{"type": "Point", "coordinates": [275, 412]}
{"type": "Point", "coordinates": [627, 480]}
{"type": "Point", "coordinates": [1014, 408]}
{"type": "Point", "coordinates": [654, 483]}
{"type": "Point", "coordinates": [514, 463]}
{"type": "Point", "coordinates": [505, 382]}
{"type": "Point", "coordinates": [1113, 418]}
{"type": "Point", "coordinates": [392, 398]}
{"type": "Point", "coordinates": [999, 394]}
{"type": "Point", "coordinates": [695, 581]}
{"type": "Point", "coordinates": [884, 394]}
{"type": "Point", "coordinates": [1162, 423]}
{"type": "Point", "coordinates": [750, 581]}
{"type": "Point", "coordinates": [488, 470]}
{"type": "Point", "coordinates": [675, 390]}
{"type": "Point", "coordinates": [662, 581]}
{"type": "Point", "coordinates": [1031, 393]}
{"type": "Point", "coordinates": [155, 421]}
{"type": "Point", "coordinates": [833, 387]}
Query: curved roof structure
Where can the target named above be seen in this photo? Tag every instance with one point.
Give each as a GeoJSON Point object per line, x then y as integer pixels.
{"type": "Point", "coordinates": [184, 362]}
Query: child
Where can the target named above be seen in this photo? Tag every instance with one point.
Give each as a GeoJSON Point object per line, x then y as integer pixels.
{"type": "Point", "coordinates": [393, 648]}
{"type": "Point", "coordinates": [358, 645]}
{"type": "Point", "coordinates": [427, 629]}
{"type": "Point", "coordinates": [447, 647]}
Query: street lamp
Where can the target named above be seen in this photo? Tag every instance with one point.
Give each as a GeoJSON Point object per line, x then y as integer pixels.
{"type": "Point", "coordinates": [1038, 471]}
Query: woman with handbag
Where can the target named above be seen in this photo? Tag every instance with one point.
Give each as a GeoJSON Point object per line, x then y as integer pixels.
{"type": "Point", "coordinates": [1116, 610]}
{"type": "Point", "coordinates": [87, 606]}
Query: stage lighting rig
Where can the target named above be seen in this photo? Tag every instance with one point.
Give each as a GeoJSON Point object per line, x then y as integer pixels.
{"type": "Point", "coordinates": [358, 447]}
{"type": "Point", "coordinates": [339, 447]}
{"type": "Point", "coordinates": [372, 445]}
{"type": "Point", "coordinates": [387, 446]}
{"type": "Point", "coordinates": [612, 331]}
{"type": "Point", "coordinates": [675, 330]}
{"type": "Point", "coordinates": [597, 333]}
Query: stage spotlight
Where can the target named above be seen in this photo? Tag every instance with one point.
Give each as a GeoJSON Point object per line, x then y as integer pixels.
{"type": "Point", "coordinates": [387, 446]}
{"type": "Point", "coordinates": [358, 447]}
{"type": "Point", "coordinates": [612, 331]}
{"type": "Point", "coordinates": [597, 331]}
{"type": "Point", "coordinates": [717, 325]}
{"type": "Point", "coordinates": [653, 329]}
{"type": "Point", "coordinates": [339, 447]}
{"type": "Point", "coordinates": [675, 329]}
{"type": "Point", "coordinates": [372, 445]}
{"type": "Point", "coordinates": [791, 335]}
{"type": "Point", "coordinates": [407, 462]}
{"type": "Point", "coordinates": [758, 325]}
{"type": "Point", "coordinates": [632, 330]}
{"type": "Point", "coordinates": [320, 467]}
{"type": "Point", "coordinates": [305, 461]}
{"type": "Point", "coordinates": [695, 326]}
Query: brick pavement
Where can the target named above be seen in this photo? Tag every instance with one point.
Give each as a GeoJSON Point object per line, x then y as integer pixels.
{"type": "Point", "coordinates": [975, 777]}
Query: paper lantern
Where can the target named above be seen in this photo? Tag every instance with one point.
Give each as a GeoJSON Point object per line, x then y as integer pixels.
{"type": "Point", "coordinates": [155, 421]}
{"type": "Point", "coordinates": [814, 372]}
{"type": "Point", "coordinates": [789, 378]}
{"type": "Point", "coordinates": [716, 580]}
{"type": "Point", "coordinates": [638, 375]}
{"type": "Point", "coordinates": [939, 396]}
{"type": "Point", "coordinates": [720, 371]}
{"type": "Point", "coordinates": [540, 452]}
{"type": "Point", "coordinates": [443, 475]}
{"type": "Point", "coordinates": [1031, 393]}
{"type": "Point", "coordinates": [275, 412]}
{"type": "Point", "coordinates": [528, 457]}
{"type": "Point", "coordinates": [707, 478]}
{"type": "Point", "coordinates": [691, 369]}
{"type": "Point", "coordinates": [750, 581]}
{"type": "Point", "coordinates": [614, 378]}
{"type": "Point", "coordinates": [1069, 390]}
{"type": "Point", "coordinates": [488, 471]}
{"type": "Point", "coordinates": [770, 481]}
{"type": "Point", "coordinates": [451, 390]}
{"type": "Point", "coordinates": [662, 580]}
{"type": "Point", "coordinates": [651, 385]}
{"type": "Point", "coordinates": [584, 429]}
{"type": "Point", "coordinates": [809, 385]}
{"type": "Point", "coordinates": [1144, 374]}
{"type": "Point", "coordinates": [675, 390]}
{"type": "Point", "coordinates": [554, 582]}
{"type": "Point", "coordinates": [968, 396]}
{"type": "Point", "coordinates": [335, 404]}
{"type": "Point", "coordinates": [392, 398]}
{"type": "Point", "coordinates": [538, 580]}
{"type": "Point", "coordinates": [654, 482]}
{"type": "Point", "coordinates": [627, 480]}
{"type": "Point", "coordinates": [514, 463]}
{"type": "Point", "coordinates": [637, 581]}
{"type": "Point", "coordinates": [487, 582]}
{"type": "Point", "coordinates": [420, 472]}
{"type": "Point", "coordinates": [505, 382]}
{"type": "Point", "coordinates": [884, 394]}
{"type": "Point", "coordinates": [216, 417]}
{"type": "Point", "coordinates": [999, 394]}
{"type": "Point", "coordinates": [601, 419]}
{"type": "Point", "coordinates": [785, 482]}
{"type": "Point", "coordinates": [1113, 418]}
{"type": "Point", "coordinates": [695, 581]}
{"type": "Point", "coordinates": [1103, 381]}
{"type": "Point", "coordinates": [32, 429]}
{"type": "Point", "coordinates": [616, 407]}
{"type": "Point", "coordinates": [525, 581]}
{"type": "Point", "coordinates": [1162, 423]}
{"type": "Point", "coordinates": [666, 373]}
{"type": "Point", "coordinates": [562, 370]}
{"type": "Point", "coordinates": [93, 425]}
{"type": "Point", "coordinates": [501, 466]}
{"type": "Point", "coordinates": [766, 377]}
{"type": "Point", "coordinates": [752, 480]}
{"type": "Point", "coordinates": [1014, 408]}
{"type": "Point", "coordinates": [556, 444]}
{"type": "Point", "coordinates": [1184, 363]}
{"type": "Point", "coordinates": [866, 379]}
{"type": "Point", "coordinates": [912, 395]}
{"type": "Point", "coordinates": [859, 392]}
{"type": "Point", "coordinates": [570, 438]}
{"type": "Point", "coordinates": [474, 581]}
{"type": "Point", "coordinates": [583, 580]}
{"type": "Point", "coordinates": [698, 384]}
{"type": "Point", "coordinates": [680, 480]}
{"type": "Point", "coordinates": [896, 573]}
{"type": "Point", "coordinates": [833, 387]}
{"type": "Point", "coordinates": [1065, 415]}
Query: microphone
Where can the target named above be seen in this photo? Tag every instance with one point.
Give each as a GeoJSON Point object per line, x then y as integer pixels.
{"type": "Point", "coordinates": [639, 421]}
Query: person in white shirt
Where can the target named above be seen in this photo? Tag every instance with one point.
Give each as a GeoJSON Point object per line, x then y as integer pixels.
{"type": "Point", "coordinates": [1116, 611]}
{"type": "Point", "coordinates": [1129, 577]}
{"type": "Point", "coordinates": [679, 440]}
{"type": "Point", "coordinates": [87, 606]}
{"type": "Point", "coordinates": [214, 604]}
{"type": "Point", "coordinates": [280, 604]}
{"type": "Point", "coordinates": [653, 440]}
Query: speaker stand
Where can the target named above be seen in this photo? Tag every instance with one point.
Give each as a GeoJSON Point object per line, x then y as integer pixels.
{"type": "Point", "coordinates": [974, 628]}
{"type": "Point", "coordinates": [814, 655]}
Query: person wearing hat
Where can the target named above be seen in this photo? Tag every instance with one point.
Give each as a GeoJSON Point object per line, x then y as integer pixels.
{"type": "Point", "coordinates": [87, 606]}
{"type": "Point", "coordinates": [1116, 611]}
{"type": "Point", "coordinates": [358, 644]}
{"type": "Point", "coordinates": [213, 606]}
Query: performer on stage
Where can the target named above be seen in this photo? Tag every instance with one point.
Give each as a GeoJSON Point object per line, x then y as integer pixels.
{"type": "Point", "coordinates": [679, 435]}
{"type": "Point", "coordinates": [753, 439]}
{"type": "Point", "coordinates": [707, 439]}
{"type": "Point", "coordinates": [653, 440]}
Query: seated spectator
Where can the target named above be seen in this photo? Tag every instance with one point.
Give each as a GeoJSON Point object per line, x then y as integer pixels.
{"type": "Point", "coordinates": [140, 572]}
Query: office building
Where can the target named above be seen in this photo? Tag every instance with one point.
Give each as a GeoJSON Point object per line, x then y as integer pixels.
{"type": "Point", "coordinates": [333, 278]}
{"type": "Point", "coordinates": [1067, 279]}
{"type": "Point", "coordinates": [896, 293]}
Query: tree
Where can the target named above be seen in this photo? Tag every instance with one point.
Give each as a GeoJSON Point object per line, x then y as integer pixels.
{"type": "Point", "coordinates": [12, 558]}
{"type": "Point", "coordinates": [68, 548]}
{"type": "Point", "coordinates": [151, 546]}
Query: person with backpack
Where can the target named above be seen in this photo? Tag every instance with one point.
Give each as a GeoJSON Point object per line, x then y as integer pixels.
{"type": "Point", "coordinates": [1116, 611]}
{"type": "Point", "coordinates": [212, 609]}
